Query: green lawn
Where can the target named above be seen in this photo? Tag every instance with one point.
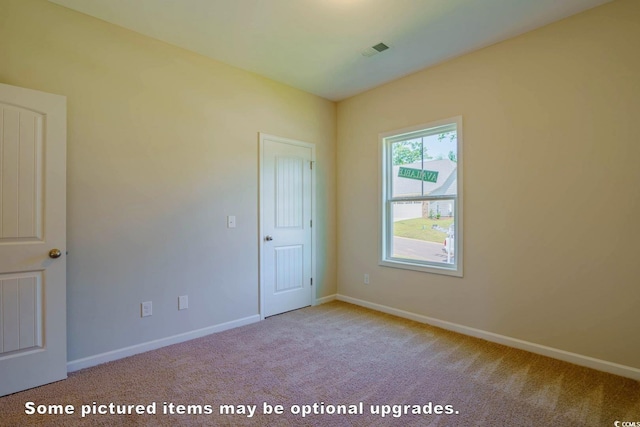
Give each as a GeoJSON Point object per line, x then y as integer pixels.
{"type": "Point", "coordinates": [420, 228]}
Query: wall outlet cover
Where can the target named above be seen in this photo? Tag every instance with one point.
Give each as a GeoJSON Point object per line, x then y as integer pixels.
{"type": "Point", "coordinates": [183, 302]}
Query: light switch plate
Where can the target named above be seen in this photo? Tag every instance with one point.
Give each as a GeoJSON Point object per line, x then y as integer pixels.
{"type": "Point", "coordinates": [147, 308]}
{"type": "Point", "coordinates": [231, 221]}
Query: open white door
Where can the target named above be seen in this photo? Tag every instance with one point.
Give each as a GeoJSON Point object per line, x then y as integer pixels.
{"type": "Point", "coordinates": [286, 203]}
{"type": "Point", "coordinates": [33, 344]}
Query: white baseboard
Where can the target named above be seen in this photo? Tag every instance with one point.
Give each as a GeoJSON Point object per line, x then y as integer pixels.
{"type": "Point", "coordinates": [577, 359]}
{"type": "Point", "coordinates": [86, 362]}
{"type": "Point", "coordinates": [325, 300]}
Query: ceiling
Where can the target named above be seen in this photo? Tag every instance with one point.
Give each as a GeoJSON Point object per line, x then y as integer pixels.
{"type": "Point", "coordinates": [317, 45]}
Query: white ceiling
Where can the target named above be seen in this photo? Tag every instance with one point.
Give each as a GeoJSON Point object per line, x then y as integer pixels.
{"type": "Point", "coordinates": [316, 45]}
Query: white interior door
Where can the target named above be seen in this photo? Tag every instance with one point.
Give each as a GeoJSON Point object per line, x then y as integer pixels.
{"type": "Point", "coordinates": [33, 345]}
{"type": "Point", "coordinates": [286, 224]}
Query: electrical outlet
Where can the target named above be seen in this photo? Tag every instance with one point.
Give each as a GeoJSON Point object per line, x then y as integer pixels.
{"type": "Point", "coordinates": [183, 302]}
{"type": "Point", "coordinates": [366, 279]}
{"type": "Point", "coordinates": [147, 308]}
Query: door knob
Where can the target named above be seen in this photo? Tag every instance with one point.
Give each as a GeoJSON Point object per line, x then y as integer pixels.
{"type": "Point", "coordinates": [55, 253]}
{"type": "Point", "coordinates": [268, 238]}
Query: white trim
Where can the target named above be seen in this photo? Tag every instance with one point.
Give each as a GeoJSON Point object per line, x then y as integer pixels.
{"type": "Point", "coordinates": [577, 359]}
{"type": "Point", "coordinates": [87, 362]}
{"type": "Point", "coordinates": [325, 300]}
{"type": "Point", "coordinates": [261, 137]}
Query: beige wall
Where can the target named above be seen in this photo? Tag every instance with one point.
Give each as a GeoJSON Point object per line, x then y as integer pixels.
{"type": "Point", "coordinates": [163, 144]}
{"type": "Point", "coordinates": [552, 186]}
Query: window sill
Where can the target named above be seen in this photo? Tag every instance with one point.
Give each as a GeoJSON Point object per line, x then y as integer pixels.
{"type": "Point", "coordinates": [455, 271]}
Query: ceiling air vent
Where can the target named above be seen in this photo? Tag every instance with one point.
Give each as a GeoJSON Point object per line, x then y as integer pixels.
{"type": "Point", "coordinates": [370, 51]}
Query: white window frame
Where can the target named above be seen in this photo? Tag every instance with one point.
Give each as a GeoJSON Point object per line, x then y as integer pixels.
{"type": "Point", "coordinates": [385, 186]}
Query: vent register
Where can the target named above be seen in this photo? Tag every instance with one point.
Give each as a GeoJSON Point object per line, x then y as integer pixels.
{"type": "Point", "coordinates": [374, 50]}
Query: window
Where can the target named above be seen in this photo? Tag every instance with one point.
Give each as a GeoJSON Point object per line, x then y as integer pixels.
{"type": "Point", "coordinates": [422, 198]}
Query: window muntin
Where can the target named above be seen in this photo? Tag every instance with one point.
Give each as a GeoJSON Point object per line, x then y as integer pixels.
{"type": "Point", "coordinates": [421, 198]}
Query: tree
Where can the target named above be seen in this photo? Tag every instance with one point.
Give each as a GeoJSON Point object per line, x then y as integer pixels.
{"type": "Point", "coordinates": [451, 135]}
{"type": "Point", "coordinates": [409, 152]}
{"type": "Point", "coordinates": [414, 150]}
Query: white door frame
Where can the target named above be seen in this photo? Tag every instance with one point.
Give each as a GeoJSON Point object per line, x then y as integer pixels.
{"type": "Point", "coordinates": [261, 138]}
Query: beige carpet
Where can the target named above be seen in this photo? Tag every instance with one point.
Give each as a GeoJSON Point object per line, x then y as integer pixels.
{"type": "Point", "coordinates": [342, 358]}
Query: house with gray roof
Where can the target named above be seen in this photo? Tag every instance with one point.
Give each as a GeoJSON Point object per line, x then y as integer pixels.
{"type": "Point", "coordinates": [432, 177]}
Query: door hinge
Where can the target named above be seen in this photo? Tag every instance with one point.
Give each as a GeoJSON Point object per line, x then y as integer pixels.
{"type": "Point", "coordinates": [311, 165]}
{"type": "Point", "coordinates": [310, 223]}
{"type": "Point", "coordinates": [312, 281]}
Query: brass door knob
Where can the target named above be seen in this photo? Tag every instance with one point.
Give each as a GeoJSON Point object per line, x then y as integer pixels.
{"type": "Point", "coordinates": [55, 253]}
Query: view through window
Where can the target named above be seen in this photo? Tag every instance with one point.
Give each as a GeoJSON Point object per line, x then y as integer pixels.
{"type": "Point", "coordinates": [421, 193]}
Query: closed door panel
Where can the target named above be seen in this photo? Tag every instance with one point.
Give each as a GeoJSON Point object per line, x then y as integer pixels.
{"type": "Point", "coordinates": [32, 224]}
{"type": "Point", "coordinates": [287, 224]}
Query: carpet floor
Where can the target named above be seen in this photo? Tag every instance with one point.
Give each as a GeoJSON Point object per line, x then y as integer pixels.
{"type": "Point", "coordinates": [332, 365]}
